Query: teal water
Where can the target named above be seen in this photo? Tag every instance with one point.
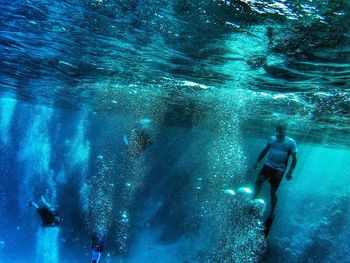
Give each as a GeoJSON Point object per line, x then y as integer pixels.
{"type": "Point", "coordinates": [208, 81]}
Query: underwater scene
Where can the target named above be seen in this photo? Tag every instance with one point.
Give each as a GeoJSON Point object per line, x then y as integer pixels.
{"type": "Point", "coordinates": [175, 131]}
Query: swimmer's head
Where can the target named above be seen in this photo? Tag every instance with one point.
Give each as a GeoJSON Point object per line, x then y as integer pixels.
{"type": "Point", "coordinates": [281, 131]}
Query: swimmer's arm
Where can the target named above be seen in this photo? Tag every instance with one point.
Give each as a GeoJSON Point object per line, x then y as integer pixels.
{"type": "Point", "coordinates": [292, 166]}
{"type": "Point", "coordinates": [262, 155]}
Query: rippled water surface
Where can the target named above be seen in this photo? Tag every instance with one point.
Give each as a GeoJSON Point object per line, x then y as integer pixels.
{"type": "Point", "coordinates": [280, 57]}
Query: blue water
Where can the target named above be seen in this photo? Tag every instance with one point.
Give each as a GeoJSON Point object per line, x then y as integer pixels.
{"type": "Point", "coordinates": [208, 81]}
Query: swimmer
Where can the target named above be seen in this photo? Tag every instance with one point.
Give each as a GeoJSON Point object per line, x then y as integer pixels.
{"type": "Point", "coordinates": [48, 215]}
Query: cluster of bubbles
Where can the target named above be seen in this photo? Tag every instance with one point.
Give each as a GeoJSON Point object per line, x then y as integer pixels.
{"type": "Point", "coordinates": [243, 239]}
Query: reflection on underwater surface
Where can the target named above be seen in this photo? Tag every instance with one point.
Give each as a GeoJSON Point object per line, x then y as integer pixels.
{"type": "Point", "coordinates": [277, 60]}
{"type": "Point", "coordinates": [208, 80]}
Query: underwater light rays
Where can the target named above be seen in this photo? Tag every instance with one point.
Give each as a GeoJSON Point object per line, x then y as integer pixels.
{"type": "Point", "coordinates": [7, 108]}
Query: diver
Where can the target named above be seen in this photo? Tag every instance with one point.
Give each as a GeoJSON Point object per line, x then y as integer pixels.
{"type": "Point", "coordinates": [280, 148]}
{"type": "Point", "coordinates": [140, 140]}
{"type": "Point", "coordinates": [97, 246]}
{"type": "Point", "coordinates": [49, 216]}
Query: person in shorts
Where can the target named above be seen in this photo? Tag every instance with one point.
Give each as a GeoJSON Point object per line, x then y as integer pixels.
{"type": "Point", "coordinates": [279, 148]}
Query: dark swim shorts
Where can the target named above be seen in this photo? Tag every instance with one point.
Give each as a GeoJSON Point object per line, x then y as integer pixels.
{"type": "Point", "coordinates": [274, 175]}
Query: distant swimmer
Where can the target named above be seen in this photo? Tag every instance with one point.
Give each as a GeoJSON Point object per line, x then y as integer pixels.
{"type": "Point", "coordinates": [49, 216]}
{"type": "Point", "coordinates": [97, 246]}
{"type": "Point", "coordinates": [280, 148]}
{"type": "Point", "coordinates": [140, 140]}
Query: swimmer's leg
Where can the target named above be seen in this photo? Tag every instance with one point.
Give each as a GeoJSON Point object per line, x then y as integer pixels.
{"type": "Point", "coordinates": [267, 225]}
{"type": "Point", "coordinates": [258, 183]}
{"type": "Point", "coordinates": [45, 202]}
{"type": "Point", "coordinates": [31, 203]}
{"type": "Point", "coordinates": [95, 257]}
{"type": "Point", "coordinates": [273, 193]}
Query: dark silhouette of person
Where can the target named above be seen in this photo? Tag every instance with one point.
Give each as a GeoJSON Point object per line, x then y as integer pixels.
{"type": "Point", "coordinates": [140, 140]}
{"type": "Point", "coordinates": [280, 148]}
{"type": "Point", "coordinates": [97, 246]}
{"type": "Point", "coordinates": [48, 215]}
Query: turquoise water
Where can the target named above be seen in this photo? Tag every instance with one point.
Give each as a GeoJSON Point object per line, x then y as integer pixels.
{"type": "Point", "coordinates": [208, 81]}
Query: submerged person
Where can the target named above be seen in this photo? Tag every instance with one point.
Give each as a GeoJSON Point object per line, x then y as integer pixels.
{"type": "Point", "coordinates": [280, 148]}
{"type": "Point", "coordinates": [140, 140]}
{"type": "Point", "coordinates": [97, 246]}
{"type": "Point", "coordinates": [48, 215]}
